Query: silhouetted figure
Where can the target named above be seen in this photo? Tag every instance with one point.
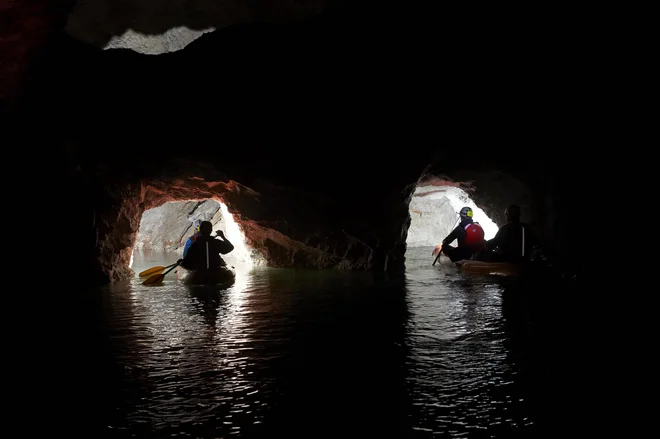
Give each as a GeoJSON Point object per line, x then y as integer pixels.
{"type": "Point", "coordinates": [192, 239]}
{"type": "Point", "coordinates": [514, 241]}
{"type": "Point", "coordinates": [470, 237]}
{"type": "Point", "coordinates": [205, 252]}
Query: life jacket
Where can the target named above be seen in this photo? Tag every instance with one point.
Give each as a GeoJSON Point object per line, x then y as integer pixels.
{"type": "Point", "coordinates": [474, 235]}
{"type": "Point", "coordinates": [189, 242]}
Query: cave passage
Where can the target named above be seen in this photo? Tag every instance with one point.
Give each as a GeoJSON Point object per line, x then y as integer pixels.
{"type": "Point", "coordinates": [434, 213]}
{"type": "Point", "coordinates": [165, 229]}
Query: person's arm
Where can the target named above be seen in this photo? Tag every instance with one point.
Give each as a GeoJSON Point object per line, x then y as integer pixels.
{"type": "Point", "coordinates": [225, 246]}
{"type": "Point", "coordinates": [497, 240]}
{"type": "Point", "coordinates": [451, 237]}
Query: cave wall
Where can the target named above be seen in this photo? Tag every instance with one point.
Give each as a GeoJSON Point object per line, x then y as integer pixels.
{"type": "Point", "coordinates": [314, 133]}
{"type": "Point", "coordinates": [313, 225]}
{"type": "Point", "coordinates": [26, 27]}
{"type": "Point", "coordinates": [434, 212]}
{"type": "Point", "coordinates": [549, 184]}
{"type": "Point", "coordinates": [154, 27]}
{"type": "Point", "coordinates": [286, 226]}
{"type": "Point", "coordinates": [492, 190]}
{"type": "Point", "coordinates": [431, 220]}
{"type": "Point", "coordinates": [294, 226]}
{"type": "Point", "coordinates": [168, 227]}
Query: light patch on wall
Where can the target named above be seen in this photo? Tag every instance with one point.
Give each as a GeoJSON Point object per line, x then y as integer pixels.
{"type": "Point", "coordinates": [165, 229]}
{"type": "Point", "coordinates": [171, 40]}
{"type": "Point", "coordinates": [241, 255]}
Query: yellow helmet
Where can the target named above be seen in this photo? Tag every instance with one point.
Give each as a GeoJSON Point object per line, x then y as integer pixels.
{"type": "Point", "coordinates": [466, 212]}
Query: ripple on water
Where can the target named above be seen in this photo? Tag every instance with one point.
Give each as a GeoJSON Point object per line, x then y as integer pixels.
{"type": "Point", "coordinates": [282, 347]}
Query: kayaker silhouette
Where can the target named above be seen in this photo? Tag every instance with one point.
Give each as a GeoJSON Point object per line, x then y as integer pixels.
{"type": "Point", "coordinates": [513, 242]}
{"type": "Point", "coordinates": [204, 253]}
{"type": "Point", "coordinates": [468, 233]}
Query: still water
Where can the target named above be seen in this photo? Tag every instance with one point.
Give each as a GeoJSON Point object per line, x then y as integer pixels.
{"type": "Point", "coordinates": [320, 354]}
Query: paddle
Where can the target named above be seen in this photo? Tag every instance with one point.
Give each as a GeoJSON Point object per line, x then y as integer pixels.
{"type": "Point", "coordinates": [158, 278]}
{"type": "Point", "coordinates": [155, 270]}
{"type": "Point", "coordinates": [438, 247]}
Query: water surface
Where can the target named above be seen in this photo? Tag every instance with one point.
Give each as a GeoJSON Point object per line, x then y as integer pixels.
{"type": "Point", "coordinates": [319, 353]}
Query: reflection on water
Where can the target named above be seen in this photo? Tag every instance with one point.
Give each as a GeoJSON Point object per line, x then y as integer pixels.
{"type": "Point", "coordinates": [317, 353]}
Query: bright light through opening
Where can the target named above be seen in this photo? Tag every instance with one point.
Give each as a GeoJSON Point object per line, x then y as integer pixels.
{"type": "Point", "coordinates": [240, 257]}
{"type": "Point", "coordinates": [490, 228]}
{"type": "Point", "coordinates": [434, 213]}
{"type": "Point", "coordinates": [164, 231]}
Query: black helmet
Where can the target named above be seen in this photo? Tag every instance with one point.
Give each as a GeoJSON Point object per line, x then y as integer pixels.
{"type": "Point", "coordinates": [466, 212]}
{"type": "Point", "coordinates": [205, 228]}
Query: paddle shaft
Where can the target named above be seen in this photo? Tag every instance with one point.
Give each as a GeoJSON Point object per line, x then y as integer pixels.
{"type": "Point", "coordinates": [157, 278]}
{"type": "Point", "coordinates": [173, 267]}
{"type": "Point", "coordinates": [151, 271]}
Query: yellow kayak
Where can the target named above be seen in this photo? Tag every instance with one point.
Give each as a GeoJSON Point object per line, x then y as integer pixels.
{"type": "Point", "coordinates": [492, 268]}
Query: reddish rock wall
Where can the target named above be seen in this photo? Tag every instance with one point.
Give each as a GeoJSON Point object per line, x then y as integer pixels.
{"type": "Point", "coordinates": [279, 236]}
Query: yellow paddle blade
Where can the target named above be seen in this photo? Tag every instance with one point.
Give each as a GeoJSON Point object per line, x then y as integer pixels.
{"type": "Point", "coordinates": [151, 271]}
{"type": "Point", "coordinates": [154, 280]}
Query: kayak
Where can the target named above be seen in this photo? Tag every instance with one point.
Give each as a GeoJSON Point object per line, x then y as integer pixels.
{"type": "Point", "coordinates": [478, 267]}
{"type": "Point", "coordinates": [219, 276]}
{"type": "Point", "coordinates": [493, 268]}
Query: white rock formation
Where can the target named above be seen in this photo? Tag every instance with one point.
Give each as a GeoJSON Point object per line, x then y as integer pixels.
{"type": "Point", "coordinates": [156, 26]}
{"type": "Point", "coordinates": [167, 228]}
{"type": "Point", "coordinates": [434, 213]}
{"type": "Point", "coordinates": [170, 41]}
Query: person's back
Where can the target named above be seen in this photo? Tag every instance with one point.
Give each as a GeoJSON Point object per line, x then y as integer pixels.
{"type": "Point", "coordinates": [469, 236]}
{"type": "Point", "coordinates": [205, 252]}
{"type": "Point", "coordinates": [513, 242]}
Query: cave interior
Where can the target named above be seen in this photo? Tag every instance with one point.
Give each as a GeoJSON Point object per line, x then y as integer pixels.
{"type": "Point", "coordinates": [314, 128]}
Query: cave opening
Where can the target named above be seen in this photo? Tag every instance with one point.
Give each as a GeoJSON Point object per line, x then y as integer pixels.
{"type": "Point", "coordinates": [434, 211]}
{"type": "Point", "coordinates": [164, 230]}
